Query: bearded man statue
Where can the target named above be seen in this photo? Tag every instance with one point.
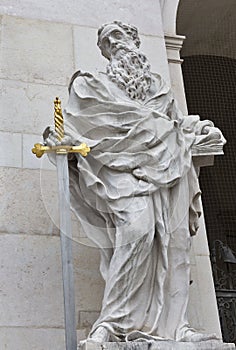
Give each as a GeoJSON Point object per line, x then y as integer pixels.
{"type": "Point", "coordinates": [136, 194]}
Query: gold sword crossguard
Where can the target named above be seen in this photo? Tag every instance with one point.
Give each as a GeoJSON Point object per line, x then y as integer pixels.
{"type": "Point", "coordinates": [39, 149]}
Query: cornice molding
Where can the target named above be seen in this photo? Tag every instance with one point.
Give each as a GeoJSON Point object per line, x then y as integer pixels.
{"type": "Point", "coordinates": [174, 44]}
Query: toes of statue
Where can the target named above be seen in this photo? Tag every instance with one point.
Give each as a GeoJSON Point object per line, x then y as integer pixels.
{"type": "Point", "coordinates": [100, 335]}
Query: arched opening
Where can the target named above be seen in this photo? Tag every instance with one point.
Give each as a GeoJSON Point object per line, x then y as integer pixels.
{"type": "Point", "coordinates": [209, 72]}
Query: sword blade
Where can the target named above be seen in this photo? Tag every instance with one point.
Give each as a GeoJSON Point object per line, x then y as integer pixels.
{"type": "Point", "coordinates": [66, 251]}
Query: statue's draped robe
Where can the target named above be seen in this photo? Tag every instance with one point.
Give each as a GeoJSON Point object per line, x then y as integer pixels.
{"type": "Point", "coordinates": [137, 197]}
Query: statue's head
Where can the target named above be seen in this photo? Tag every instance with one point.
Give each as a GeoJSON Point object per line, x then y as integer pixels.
{"type": "Point", "coordinates": [115, 36]}
{"type": "Point", "coordinates": [128, 68]}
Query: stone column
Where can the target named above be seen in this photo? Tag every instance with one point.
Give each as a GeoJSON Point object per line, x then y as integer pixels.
{"type": "Point", "coordinates": [203, 311]}
{"type": "Point", "coordinates": [173, 46]}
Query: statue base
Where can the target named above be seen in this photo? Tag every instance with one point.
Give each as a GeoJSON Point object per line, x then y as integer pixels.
{"type": "Point", "coordinates": [157, 345]}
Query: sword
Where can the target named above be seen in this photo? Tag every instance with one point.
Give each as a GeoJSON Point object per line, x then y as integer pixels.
{"type": "Point", "coordinates": [65, 220]}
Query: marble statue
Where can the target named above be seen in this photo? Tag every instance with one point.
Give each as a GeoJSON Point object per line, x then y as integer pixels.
{"type": "Point", "coordinates": [136, 194]}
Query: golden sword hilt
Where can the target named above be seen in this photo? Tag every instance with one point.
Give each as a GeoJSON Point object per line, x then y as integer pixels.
{"type": "Point", "coordinates": [40, 149]}
{"type": "Point", "coordinates": [58, 119]}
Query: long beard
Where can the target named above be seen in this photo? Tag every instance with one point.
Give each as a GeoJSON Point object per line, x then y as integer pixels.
{"type": "Point", "coordinates": [130, 70]}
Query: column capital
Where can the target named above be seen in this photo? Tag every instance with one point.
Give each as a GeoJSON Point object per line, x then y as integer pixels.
{"type": "Point", "coordinates": [174, 44]}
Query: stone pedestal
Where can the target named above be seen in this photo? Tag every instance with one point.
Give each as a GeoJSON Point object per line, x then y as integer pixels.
{"type": "Point", "coordinates": [157, 345]}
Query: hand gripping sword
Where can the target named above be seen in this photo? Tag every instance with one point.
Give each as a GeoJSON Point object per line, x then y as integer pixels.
{"type": "Point", "coordinates": [61, 152]}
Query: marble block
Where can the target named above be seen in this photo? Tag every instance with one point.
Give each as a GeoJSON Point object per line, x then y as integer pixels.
{"type": "Point", "coordinates": [157, 345]}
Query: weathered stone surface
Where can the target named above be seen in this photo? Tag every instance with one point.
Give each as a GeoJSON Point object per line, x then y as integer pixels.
{"type": "Point", "coordinates": [90, 13]}
{"type": "Point", "coordinates": [87, 319]}
{"type": "Point", "coordinates": [11, 149]}
{"type": "Point", "coordinates": [20, 338]}
{"type": "Point", "coordinates": [202, 308]}
{"type": "Point", "coordinates": [30, 282]}
{"type": "Point", "coordinates": [206, 295]}
{"type": "Point", "coordinates": [31, 51]}
{"type": "Point", "coordinates": [86, 258]}
{"type": "Point", "coordinates": [28, 107]}
{"type": "Point", "coordinates": [89, 285]}
{"type": "Point", "coordinates": [200, 244]}
{"type": "Point", "coordinates": [85, 39]}
{"type": "Point", "coordinates": [195, 310]}
{"type": "Point", "coordinates": [154, 49]}
{"type": "Point", "coordinates": [33, 207]}
{"type": "Point", "coordinates": [28, 201]}
{"type": "Point", "coordinates": [158, 345]}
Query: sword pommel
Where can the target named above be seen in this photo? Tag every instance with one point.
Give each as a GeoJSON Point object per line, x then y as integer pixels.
{"type": "Point", "coordinates": [58, 119]}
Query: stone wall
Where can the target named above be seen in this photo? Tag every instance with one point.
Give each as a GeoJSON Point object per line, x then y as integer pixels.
{"type": "Point", "coordinates": [42, 44]}
{"type": "Point", "coordinates": [41, 47]}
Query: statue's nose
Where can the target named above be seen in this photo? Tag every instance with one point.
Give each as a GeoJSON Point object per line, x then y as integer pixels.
{"type": "Point", "coordinates": [112, 42]}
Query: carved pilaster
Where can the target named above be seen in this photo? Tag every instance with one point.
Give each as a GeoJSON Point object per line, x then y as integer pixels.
{"type": "Point", "coordinates": [174, 44]}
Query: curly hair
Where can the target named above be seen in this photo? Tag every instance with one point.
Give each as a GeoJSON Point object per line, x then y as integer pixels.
{"type": "Point", "coordinates": [130, 30]}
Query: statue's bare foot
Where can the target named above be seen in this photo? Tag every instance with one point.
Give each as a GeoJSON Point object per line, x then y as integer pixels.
{"type": "Point", "coordinates": [192, 335]}
{"type": "Point", "coordinates": [100, 335]}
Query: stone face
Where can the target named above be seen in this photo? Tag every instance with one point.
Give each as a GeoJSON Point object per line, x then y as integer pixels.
{"type": "Point", "coordinates": [31, 51]}
{"type": "Point", "coordinates": [158, 345]}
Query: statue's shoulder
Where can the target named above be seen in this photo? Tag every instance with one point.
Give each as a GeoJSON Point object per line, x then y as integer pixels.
{"type": "Point", "coordinates": [82, 74]}
{"type": "Point", "coordinates": [85, 84]}
{"type": "Point", "coordinates": [161, 82]}
{"type": "Point", "coordinates": [159, 86]}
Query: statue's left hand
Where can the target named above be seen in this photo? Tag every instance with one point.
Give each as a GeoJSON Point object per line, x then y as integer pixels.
{"type": "Point", "coordinates": [213, 133]}
{"type": "Point", "coordinates": [50, 138]}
